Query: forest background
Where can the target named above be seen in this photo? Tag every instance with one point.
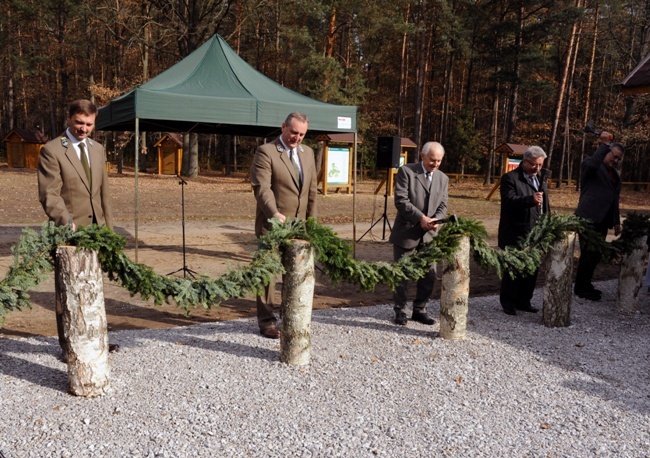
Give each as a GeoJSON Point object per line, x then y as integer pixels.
{"type": "Point", "coordinates": [472, 74]}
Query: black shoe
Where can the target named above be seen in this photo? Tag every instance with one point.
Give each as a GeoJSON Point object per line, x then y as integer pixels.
{"type": "Point", "coordinates": [527, 308]}
{"type": "Point", "coordinates": [509, 311]}
{"type": "Point", "coordinates": [422, 317]}
{"type": "Point", "coordinates": [113, 348]}
{"type": "Point", "coordinates": [270, 333]}
{"type": "Point", "coordinates": [589, 295]}
{"type": "Point", "coordinates": [400, 318]}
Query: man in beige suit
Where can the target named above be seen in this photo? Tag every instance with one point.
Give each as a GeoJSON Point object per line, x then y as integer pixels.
{"type": "Point", "coordinates": [68, 195]}
{"type": "Point", "coordinates": [283, 176]}
{"type": "Point", "coordinates": [72, 180]}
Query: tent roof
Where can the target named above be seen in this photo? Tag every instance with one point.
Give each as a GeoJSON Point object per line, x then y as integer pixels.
{"type": "Point", "coordinates": [638, 81]}
{"type": "Point", "coordinates": [213, 90]}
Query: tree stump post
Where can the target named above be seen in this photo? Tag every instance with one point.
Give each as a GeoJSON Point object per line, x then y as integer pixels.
{"type": "Point", "coordinates": [630, 277]}
{"type": "Point", "coordinates": [455, 294]}
{"type": "Point", "coordinates": [80, 288]}
{"type": "Point", "coordinates": [556, 307]}
{"type": "Point", "coordinates": [297, 299]}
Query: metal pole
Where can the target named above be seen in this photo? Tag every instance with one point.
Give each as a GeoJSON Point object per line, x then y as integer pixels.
{"type": "Point", "coordinates": [354, 199]}
{"type": "Point", "coordinates": [137, 208]}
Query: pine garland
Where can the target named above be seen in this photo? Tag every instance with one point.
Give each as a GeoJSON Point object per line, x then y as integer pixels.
{"type": "Point", "coordinates": [35, 253]}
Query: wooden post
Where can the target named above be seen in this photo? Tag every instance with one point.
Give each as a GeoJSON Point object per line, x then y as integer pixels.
{"type": "Point", "coordinates": [297, 298]}
{"type": "Point", "coordinates": [556, 308]}
{"type": "Point", "coordinates": [630, 277]}
{"type": "Point", "coordinates": [455, 293]}
{"type": "Point", "coordinates": [80, 289]}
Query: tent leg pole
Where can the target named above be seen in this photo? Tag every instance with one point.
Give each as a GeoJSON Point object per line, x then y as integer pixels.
{"type": "Point", "coordinates": [354, 200]}
{"type": "Point", "coordinates": [137, 145]}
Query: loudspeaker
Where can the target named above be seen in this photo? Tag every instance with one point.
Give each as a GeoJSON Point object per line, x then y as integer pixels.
{"type": "Point", "coordinates": [388, 152]}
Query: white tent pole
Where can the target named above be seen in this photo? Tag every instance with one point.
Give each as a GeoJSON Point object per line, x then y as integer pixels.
{"type": "Point", "coordinates": [354, 199]}
{"type": "Point", "coordinates": [137, 145]}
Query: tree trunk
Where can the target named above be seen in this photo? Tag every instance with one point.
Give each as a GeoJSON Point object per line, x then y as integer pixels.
{"type": "Point", "coordinates": [516, 75]}
{"type": "Point", "coordinates": [562, 89]}
{"type": "Point", "coordinates": [631, 277]}
{"type": "Point", "coordinates": [590, 78]}
{"type": "Point", "coordinates": [556, 309]}
{"type": "Point", "coordinates": [455, 294]}
{"type": "Point", "coordinates": [297, 298]}
{"type": "Point", "coordinates": [403, 76]}
{"type": "Point", "coordinates": [80, 289]}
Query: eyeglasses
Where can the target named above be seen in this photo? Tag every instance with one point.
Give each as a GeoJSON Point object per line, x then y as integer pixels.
{"type": "Point", "coordinates": [533, 164]}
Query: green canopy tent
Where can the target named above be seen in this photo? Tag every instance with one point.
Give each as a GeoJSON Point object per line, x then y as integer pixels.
{"type": "Point", "coordinates": [213, 90]}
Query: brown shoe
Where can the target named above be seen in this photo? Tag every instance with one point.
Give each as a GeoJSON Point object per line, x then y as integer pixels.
{"type": "Point", "coordinates": [270, 333]}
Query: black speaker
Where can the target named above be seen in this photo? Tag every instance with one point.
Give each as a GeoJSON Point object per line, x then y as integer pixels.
{"type": "Point", "coordinates": [388, 152]}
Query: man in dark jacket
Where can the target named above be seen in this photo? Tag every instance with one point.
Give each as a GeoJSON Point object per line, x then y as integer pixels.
{"type": "Point", "coordinates": [600, 188]}
{"type": "Point", "coordinates": [524, 198]}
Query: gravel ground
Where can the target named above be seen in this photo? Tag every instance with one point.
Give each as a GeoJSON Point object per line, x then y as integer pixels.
{"type": "Point", "coordinates": [512, 388]}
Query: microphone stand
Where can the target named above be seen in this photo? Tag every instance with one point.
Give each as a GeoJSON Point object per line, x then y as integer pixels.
{"type": "Point", "coordinates": [186, 271]}
{"type": "Point", "coordinates": [383, 217]}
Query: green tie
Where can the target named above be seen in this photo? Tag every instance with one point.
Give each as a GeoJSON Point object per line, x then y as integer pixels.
{"type": "Point", "coordinates": [295, 167]}
{"type": "Point", "coordinates": [84, 162]}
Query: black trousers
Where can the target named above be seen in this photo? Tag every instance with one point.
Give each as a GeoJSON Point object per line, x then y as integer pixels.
{"type": "Point", "coordinates": [424, 285]}
{"type": "Point", "coordinates": [518, 291]}
{"type": "Point", "coordinates": [588, 261]}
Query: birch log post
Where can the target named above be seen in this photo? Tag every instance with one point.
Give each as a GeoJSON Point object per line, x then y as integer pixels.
{"type": "Point", "coordinates": [556, 306]}
{"type": "Point", "coordinates": [297, 299]}
{"type": "Point", "coordinates": [81, 294]}
{"type": "Point", "coordinates": [455, 294]}
{"type": "Point", "coordinates": [630, 277]}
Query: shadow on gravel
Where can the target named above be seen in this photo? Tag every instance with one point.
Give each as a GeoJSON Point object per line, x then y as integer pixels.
{"type": "Point", "coordinates": [14, 366]}
{"type": "Point", "coordinates": [192, 337]}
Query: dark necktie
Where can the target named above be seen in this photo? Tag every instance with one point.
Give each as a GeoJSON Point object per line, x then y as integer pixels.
{"type": "Point", "coordinates": [84, 162]}
{"type": "Point", "coordinates": [295, 168]}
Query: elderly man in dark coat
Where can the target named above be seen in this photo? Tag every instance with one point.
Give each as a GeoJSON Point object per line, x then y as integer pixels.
{"type": "Point", "coordinates": [524, 198]}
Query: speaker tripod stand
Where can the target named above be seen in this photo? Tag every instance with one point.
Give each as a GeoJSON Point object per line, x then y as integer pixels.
{"type": "Point", "coordinates": [186, 271]}
{"type": "Point", "coordinates": [384, 217]}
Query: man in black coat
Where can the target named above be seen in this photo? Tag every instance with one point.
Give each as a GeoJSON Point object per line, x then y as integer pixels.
{"type": "Point", "coordinates": [600, 188]}
{"type": "Point", "coordinates": [524, 198]}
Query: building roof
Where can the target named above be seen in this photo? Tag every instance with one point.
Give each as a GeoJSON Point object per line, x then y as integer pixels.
{"type": "Point", "coordinates": [512, 148]}
{"type": "Point", "coordinates": [30, 135]}
{"type": "Point", "coordinates": [638, 81]}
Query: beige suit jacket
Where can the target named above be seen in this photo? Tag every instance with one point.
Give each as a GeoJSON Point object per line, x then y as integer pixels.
{"type": "Point", "coordinates": [276, 188]}
{"type": "Point", "coordinates": [63, 188]}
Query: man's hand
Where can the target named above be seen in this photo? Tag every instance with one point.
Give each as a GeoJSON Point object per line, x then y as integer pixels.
{"type": "Point", "coordinates": [280, 216]}
{"type": "Point", "coordinates": [428, 224]}
{"type": "Point", "coordinates": [538, 197]}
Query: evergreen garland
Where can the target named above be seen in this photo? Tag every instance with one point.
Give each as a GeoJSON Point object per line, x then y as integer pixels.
{"type": "Point", "coordinates": [35, 253]}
